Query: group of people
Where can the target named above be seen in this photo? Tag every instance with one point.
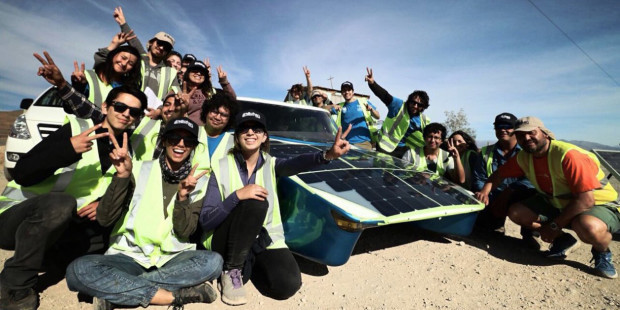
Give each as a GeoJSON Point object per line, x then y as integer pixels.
{"type": "Point", "coordinates": [542, 184]}
{"type": "Point", "coordinates": [151, 208]}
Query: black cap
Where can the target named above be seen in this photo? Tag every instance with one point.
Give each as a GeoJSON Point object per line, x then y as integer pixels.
{"type": "Point", "coordinates": [505, 119]}
{"type": "Point", "coordinates": [250, 115]}
{"type": "Point", "coordinates": [346, 84]}
{"type": "Point", "coordinates": [189, 58]}
{"type": "Point", "coordinates": [198, 66]}
{"type": "Point", "coordinates": [183, 123]}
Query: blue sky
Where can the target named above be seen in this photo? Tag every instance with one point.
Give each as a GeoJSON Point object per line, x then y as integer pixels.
{"type": "Point", "coordinates": [486, 57]}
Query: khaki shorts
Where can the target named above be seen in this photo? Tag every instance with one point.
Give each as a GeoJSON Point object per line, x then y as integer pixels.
{"type": "Point", "coordinates": [608, 213]}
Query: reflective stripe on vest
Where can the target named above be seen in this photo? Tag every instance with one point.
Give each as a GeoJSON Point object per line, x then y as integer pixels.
{"type": "Point", "coordinates": [420, 163]}
{"type": "Point", "coordinates": [561, 194]}
{"type": "Point", "coordinates": [229, 181]}
{"type": "Point", "coordinates": [145, 233]}
{"type": "Point", "coordinates": [467, 167]}
{"type": "Point", "coordinates": [487, 157]}
{"type": "Point", "coordinates": [370, 122]}
{"type": "Point", "coordinates": [201, 155]}
{"type": "Point", "coordinates": [144, 138]}
{"type": "Point", "coordinates": [165, 77]}
{"type": "Point", "coordinates": [89, 184]}
{"type": "Point", "coordinates": [395, 128]}
{"type": "Point", "coordinates": [98, 90]}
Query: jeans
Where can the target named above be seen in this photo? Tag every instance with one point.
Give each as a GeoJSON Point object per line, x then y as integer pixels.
{"type": "Point", "coordinates": [30, 228]}
{"type": "Point", "coordinates": [120, 280]}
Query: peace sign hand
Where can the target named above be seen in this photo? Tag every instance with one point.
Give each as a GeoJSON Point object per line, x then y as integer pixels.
{"type": "Point", "coordinates": [221, 74]}
{"type": "Point", "coordinates": [49, 70]}
{"type": "Point", "coordinates": [454, 152]}
{"type": "Point", "coordinates": [369, 78]}
{"type": "Point", "coordinates": [78, 73]}
{"type": "Point", "coordinates": [341, 146]}
{"type": "Point", "coordinates": [208, 64]}
{"type": "Point", "coordinates": [121, 38]}
{"type": "Point", "coordinates": [188, 184]}
{"type": "Point", "coordinates": [83, 143]}
{"type": "Point", "coordinates": [306, 71]}
{"type": "Point", "coordinates": [119, 17]}
{"type": "Point", "coordinates": [120, 157]}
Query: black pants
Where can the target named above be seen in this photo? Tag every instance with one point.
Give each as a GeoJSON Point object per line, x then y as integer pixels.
{"type": "Point", "coordinates": [45, 229]}
{"type": "Point", "coordinates": [30, 228]}
{"type": "Point", "coordinates": [273, 272]}
{"type": "Point", "coordinates": [493, 216]}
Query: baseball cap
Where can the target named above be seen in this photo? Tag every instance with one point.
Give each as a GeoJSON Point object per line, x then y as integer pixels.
{"type": "Point", "coordinates": [505, 119]}
{"type": "Point", "coordinates": [189, 58]}
{"type": "Point", "coordinates": [530, 123]}
{"type": "Point", "coordinates": [162, 36]}
{"type": "Point", "coordinates": [346, 84]}
{"type": "Point", "coordinates": [250, 115]}
{"type": "Point", "coordinates": [198, 66]}
{"type": "Point", "coordinates": [183, 123]}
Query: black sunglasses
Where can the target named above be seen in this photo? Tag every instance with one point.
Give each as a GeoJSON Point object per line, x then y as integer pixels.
{"type": "Point", "coordinates": [167, 46]}
{"type": "Point", "coordinates": [175, 139]}
{"type": "Point", "coordinates": [120, 107]}
{"type": "Point", "coordinates": [257, 129]}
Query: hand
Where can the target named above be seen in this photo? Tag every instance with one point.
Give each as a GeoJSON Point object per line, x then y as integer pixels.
{"type": "Point", "coordinates": [454, 152]}
{"type": "Point", "coordinates": [185, 96]}
{"type": "Point", "coordinates": [188, 184]}
{"type": "Point", "coordinates": [340, 146]}
{"type": "Point", "coordinates": [482, 197]}
{"type": "Point", "coordinates": [90, 211]}
{"type": "Point", "coordinates": [547, 234]}
{"type": "Point", "coordinates": [83, 143]}
{"type": "Point", "coordinates": [119, 17]}
{"type": "Point", "coordinates": [153, 114]}
{"type": "Point", "coordinates": [78, 73]}
{"type": "Point", "coordinates": [252, 191]}
{"type": "Point", "coordinates": [368, 107]}
{"type": "Point", "coordinates": [369, 78]}
{"type": "Point", "coordinates": [49, 70]}
{"type": "Point", "coordinates": [337, 107]}
{"type": "Point", "coordinates": [306, 72]}
{"type": "Point", "coordinates": [208, 64]}
{"type": "Point", "coordinates": [120, 157]}
{"type": "Point", "coordinates": [121, 38]}
{"type": "Point", "coordinates": [221, 74]}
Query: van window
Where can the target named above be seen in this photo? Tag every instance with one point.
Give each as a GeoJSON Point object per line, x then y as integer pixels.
{"type": "Point", "coordinates": [49, 99]}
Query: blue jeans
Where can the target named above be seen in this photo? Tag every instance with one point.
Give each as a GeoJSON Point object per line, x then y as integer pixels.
{"type": "Point", "coordinates": [120, 280]}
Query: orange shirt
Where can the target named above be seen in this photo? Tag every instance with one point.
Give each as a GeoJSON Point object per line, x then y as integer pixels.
{"type": "Point", "coordinates": [579, 170]}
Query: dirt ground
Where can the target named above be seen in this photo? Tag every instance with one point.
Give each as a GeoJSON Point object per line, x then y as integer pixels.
{"type": "Point", "coordinates": [399, 267]}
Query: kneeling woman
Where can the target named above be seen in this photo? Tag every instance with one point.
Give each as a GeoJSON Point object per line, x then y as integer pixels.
{"type": "Point", "coordinates": [150, 260]}
{"type": "Point", "coordinates": [242, 199]}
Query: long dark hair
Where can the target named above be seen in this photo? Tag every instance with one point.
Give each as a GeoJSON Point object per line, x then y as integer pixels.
{"type": "Point", "coordinates": [133, 78]}
{"type": "Point", "coordinates": [471, 143]}
{"type": "Point", "coordinates": [206, 87]}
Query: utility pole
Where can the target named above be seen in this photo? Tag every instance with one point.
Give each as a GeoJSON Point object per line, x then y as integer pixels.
{"type": "Point", "coordinates": [331, 78]}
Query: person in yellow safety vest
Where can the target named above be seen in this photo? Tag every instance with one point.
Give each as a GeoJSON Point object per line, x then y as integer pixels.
{"type": "Point", "coordinates": [56, 191]}
{"type": "Point", "coordinates": [404, 123]}
{"type": "Point", "coordinates": [156, 75]}
{"type": "Point", "coordinates": [573, 192]}
{"type": "Point", "coordinates": [360, 114]}
{"type": "Point", "coordinates": [154, 206]}
{"type": "Point", "coordinates": [493, 217]}
{"type": "Point", "coordinates": [296, 94]}
{"type": "Point", "coordinates": [122, 67]}
{"type": "Point", "coordinates": [242, 203]}
{"type": "Point", "coordinates": [432, 158]}
{"type": "Point", "coordinates": [466, 145]}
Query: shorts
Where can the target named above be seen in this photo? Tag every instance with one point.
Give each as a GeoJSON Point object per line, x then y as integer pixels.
{"type": "Point", "coordinates": [608, 213]}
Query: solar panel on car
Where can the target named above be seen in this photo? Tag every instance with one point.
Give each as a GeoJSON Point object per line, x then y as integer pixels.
{"type": "Point", "coordinates": [610, 160]}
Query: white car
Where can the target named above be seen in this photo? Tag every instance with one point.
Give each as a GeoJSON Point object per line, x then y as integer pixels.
{"type": "Point", "coordinates": [41, 117]}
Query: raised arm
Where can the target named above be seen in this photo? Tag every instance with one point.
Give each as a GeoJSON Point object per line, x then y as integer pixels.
{"type": "Point", "coordinates": [309, 83]}
{"type": "Point", "coordinates": [383, 95]}
{"type": "Point", "coordinates": [226, 87]}
{"type": "Point", "coordinates": [119, 17]}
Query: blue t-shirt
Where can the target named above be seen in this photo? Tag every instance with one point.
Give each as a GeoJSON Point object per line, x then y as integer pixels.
{"type": "Point", "coordinates": [352, 114]}
{"type": "Point", "coordinates": [414, 121]}
{"type": "Point", "coordinates": [214, 142]}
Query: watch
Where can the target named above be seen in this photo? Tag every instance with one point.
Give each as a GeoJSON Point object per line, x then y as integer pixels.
{"type": "Point", "coordinates": [554, 226]}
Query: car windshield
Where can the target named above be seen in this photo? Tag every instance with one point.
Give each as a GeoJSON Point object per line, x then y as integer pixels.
{"type": "Point", "coordinates": [49, 99]}
{"type": "Point", "coordinates": [295, 122]}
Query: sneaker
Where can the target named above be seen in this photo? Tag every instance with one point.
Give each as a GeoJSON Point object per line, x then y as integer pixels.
{"type": "Point", "coordinates": [25, 299]}
{"type": "Point", "coordinates": [562, 246]}
{"type": "Point", "coordinates": [204, 293]}
{"type": "Point", "coordinates": [101, 304]}
{"type": "Point", "coordinates": [231, 286]}
{"type": "Point", "coordinates": [528, 240]}
{"type": "Point", "coordinates": [603, 265]}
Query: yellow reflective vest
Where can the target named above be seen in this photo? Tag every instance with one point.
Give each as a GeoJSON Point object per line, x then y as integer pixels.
{"type": "Point", "coordinates": [82, 180]}
{"type": "Point", "coordinates": [166, 77]}
{"type": "Point", "coordinates": [145, 233]}
{"type": "Point", "coordinates": [394, 129]}
{"type": "Point", "coordinates": [229, 181]}
{"type": "Point", "coordinates": [418, 159]}
{"type": "Point", "coordinates": [97, 89]}
{"type": "Point", "coordinates": [562, 195]}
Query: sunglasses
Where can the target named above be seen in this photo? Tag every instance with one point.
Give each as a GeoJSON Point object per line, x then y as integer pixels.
{"type": "Point", "coordinates": [187, 141]}
{"type": "Point", "coordinates": [503, 126]}
{"type": "Point", "coordinates": [167, 46]}
{"type": "Point", "coordinates": [257, 129]}
{"type": "Point", "coordinates": [120, 107]}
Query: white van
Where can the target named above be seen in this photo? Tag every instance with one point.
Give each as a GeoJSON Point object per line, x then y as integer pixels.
{"type": "Point", "coordinates": [41, 117]}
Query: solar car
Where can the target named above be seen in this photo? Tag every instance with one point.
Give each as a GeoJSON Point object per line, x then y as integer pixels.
{"type": "Point", "coordinates": [325, 210]}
